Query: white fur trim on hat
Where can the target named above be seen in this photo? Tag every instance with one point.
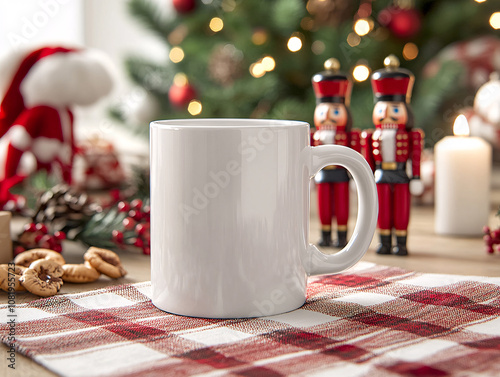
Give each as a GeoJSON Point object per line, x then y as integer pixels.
{"type": "Point", "coordinates": [19, 137]}
{"type": "Point", "coordinates": [65, 79]}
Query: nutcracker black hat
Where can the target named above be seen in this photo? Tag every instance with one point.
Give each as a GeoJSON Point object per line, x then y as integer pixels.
{"type": "Point", "coordinates": [392, 83]}
{"type": "Point", "coordinates": [332, 85]}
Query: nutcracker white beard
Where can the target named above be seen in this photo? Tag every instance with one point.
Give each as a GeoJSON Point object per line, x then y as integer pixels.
{"type": "Point", "coordinates": [325, 136]}
{"type": "Point", "coordinates": [388, 144]}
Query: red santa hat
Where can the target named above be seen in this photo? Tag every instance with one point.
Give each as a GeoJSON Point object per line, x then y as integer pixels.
{"type": "Point", "coordinates": [332, 85]}
{"type": "Point", "coordinates": [392, 83]}
{"type": "Point", "coordinates": [58, 76]}
{"type": "Point", "coordinates": [13, 103]}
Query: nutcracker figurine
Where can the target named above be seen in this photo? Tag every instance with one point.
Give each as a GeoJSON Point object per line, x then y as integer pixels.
{"type": "Point", "coordinates": [333, 122]}
{"type": "Point", "coordinates": [388, 149]}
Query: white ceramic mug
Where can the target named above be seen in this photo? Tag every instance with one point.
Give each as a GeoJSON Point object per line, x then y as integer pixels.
{"type": "Point", "coordinates": [230, 215]}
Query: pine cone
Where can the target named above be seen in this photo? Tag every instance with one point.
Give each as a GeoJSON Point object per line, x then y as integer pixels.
{"type": "Point", "coordinates": [64, 208]}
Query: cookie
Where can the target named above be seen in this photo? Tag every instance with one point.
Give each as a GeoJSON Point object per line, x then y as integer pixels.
{"type": "Point", "coordinates": [105, 261]}
{"type": "Point", "coordinates": [43, 277]}
{"type": "Point", "coordinates": [9, 277]}
{"type": "Point", "coordinates": [29, 256]}
{"type": "Point", "coordinates": [80, 273]}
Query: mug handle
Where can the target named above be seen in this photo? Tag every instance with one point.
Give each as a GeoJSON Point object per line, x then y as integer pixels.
{"type": "Point", "coordinates": [316, 262]}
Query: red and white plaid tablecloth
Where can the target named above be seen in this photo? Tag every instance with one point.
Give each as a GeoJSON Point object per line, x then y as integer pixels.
{"type": "Point", "coordinates": [369, 321]}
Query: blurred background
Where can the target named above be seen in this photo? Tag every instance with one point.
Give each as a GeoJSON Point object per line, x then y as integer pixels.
{"type": "Point", "coordinates": [255, 58]}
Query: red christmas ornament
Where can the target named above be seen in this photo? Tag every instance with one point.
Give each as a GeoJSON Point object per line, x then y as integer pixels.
{"type": "Point", "coordinates": [184, 6]}
{"type": "Point", "coordinates": [402, 22]}
{"type": "Point", "coordinates": [180, 95]}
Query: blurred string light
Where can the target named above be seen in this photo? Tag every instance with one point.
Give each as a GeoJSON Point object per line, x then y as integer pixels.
{"type": "Point", "coordinates": [259, 37]}
{"type": "Point", "coordinates": [176, 54]}
{"type": "Point", "coordinates": [353, 39]}
{"type": "Point", "coordinates": [495, 20]}
{"type": "Point", "coordinates": [410, 51]}
{"type": "Point", "coordinates": [295, 42]}
{"type": "Point", "coordinates": [268, 63]}
{"type": "Point", "coordinates": [257, 70]}
{"type": "Point", "coordinates": [480, 1]}
{"type": "Point", "coordinates": [318, 47]}
{"type": "Point", "coordinates": [261, 67]}
{"type": "Point", "coordinates": [307, 23]}
{"type": "Point", "coordinates": [228, 5]}
{"type": "Point", "coordinates": [363, 26]}
{"type": "Point", "coordinates": [195, 107]}
{"type": "Point", "coordinates": [180, 79]}
{"type": "Point", "coordinates": [216, 24]}
{"type": "Point", "coordinates": [361, 72]}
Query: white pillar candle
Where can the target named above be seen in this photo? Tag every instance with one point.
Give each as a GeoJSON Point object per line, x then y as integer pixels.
{"type": "Point", "coordinates": [463, 175]}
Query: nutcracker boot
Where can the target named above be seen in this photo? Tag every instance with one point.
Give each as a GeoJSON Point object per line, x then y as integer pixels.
{"type": "Point", "coordinates": [385, 242]}
{"type": "Point", "coordinates": [400, 248]}
{"type": "Point", "coordinates": [341, 237]}
{"type": "Point", "coordinates": [326, 236]}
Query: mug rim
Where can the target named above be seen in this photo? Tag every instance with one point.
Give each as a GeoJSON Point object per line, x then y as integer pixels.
{"type": "Point", "coordinates": [234, 123]}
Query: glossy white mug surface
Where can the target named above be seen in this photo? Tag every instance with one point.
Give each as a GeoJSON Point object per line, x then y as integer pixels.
{"type": "Point", "coordinates": [230, 215]}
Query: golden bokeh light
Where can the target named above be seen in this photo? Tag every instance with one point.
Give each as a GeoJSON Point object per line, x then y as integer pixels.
{"type": "Point", "coordinates": [353, 39]}
{"type": "Point", "coordinates": [176, 54]}
{"type": "Point", "coordinates": [495, 20]}
{"type": "Point", "coordinates": [216, 24]}
{"type": "Point", "coordinates": [257, 70]}
{"type": "Point", "coordinates": [361, 72]}
{"type": "Point", "coordinates": [318, 47]}
{"type": "Point", "coordinates": [307, 23]}
{"type": "Point", "coordinates": [259, 37]}
{"type": "Point", "coordinates": [362, 27]}
{"type": "Point", "coordinates": [410, 51]}
{"type": "Point", "coordinates": [180, 79]}
{"type": "Point", "coordinates": [194, 107]}
{"type": "Point", "coordinates": [294, 43]}
{"type": "Point", "coordinates": [268, 63]}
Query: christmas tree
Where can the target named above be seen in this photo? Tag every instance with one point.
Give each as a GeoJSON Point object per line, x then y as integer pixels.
{"type": "Point", "coordinates": [255, 58]}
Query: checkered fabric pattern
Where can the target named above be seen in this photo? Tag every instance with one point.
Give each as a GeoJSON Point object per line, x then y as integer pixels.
{"type": "Point", "coordinates": [371, 320]}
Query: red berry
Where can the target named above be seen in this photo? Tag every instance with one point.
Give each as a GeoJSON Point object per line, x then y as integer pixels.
{"type": "Point", "coordinates": [31, 227]}
{"type": "Point", "coordinates": [488, 240]}
{"type": "Point", "coordinates": [57, 248]}
{"type": "Point", "coordinates": [38, 238]}
{"type": "Point", "coordinates": [128, 223]}
{"type": "Point", "coordinates": [60, 235]}
{"type": "Point", "coordinates": [146, 250]}
{"type": "Point", "coordinates": [496, 234]}
{"type": "Point", "coordinates": [139, 242]}
{"type": "Point", "coordinates": [486, 229]}
{"type": "Point", "coordinates": [140, 229]}
{"type": "Point", "coordinates": [123, 207]}
{"type": "Point", "coordinates": [19, 250]}
{"type": "Point", "coordinates": [117, 236]}
{"type": "Point", "coordinates": [136, 215]}
{"type": "Point", "coordinates": [146, 209]}
{"type": "Point", "coordinates": [136, 204]}
{"type": "Point", "coordinates": [42, 228]}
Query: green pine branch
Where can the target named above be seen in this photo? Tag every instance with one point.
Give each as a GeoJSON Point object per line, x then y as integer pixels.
{"type": "Point", "coordinates": [147, 13]}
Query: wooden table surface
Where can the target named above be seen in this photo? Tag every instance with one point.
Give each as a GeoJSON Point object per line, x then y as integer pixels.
{"type": "Point", "coordinates": [428, 253]}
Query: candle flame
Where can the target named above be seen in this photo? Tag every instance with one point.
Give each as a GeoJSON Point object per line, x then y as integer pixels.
{"type": "Point", "coordinates": [461, 126]}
